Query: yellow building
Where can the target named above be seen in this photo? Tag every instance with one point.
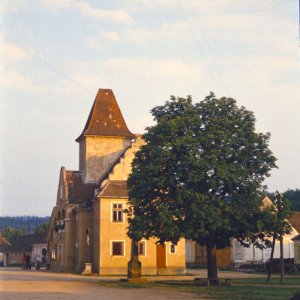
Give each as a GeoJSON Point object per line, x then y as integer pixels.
{"type": "Point", "coordinates": [88, 224]}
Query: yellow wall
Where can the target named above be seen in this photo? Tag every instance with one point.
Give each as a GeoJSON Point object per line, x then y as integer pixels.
{"type": "Point", "coordinates": [97, 153]}
{"type": "Point", "coordinates": [123, 168]}
{"type": "Point", "coordinates": [116, 231]}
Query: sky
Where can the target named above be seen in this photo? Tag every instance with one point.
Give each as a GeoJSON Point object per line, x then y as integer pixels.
{"type": "Point", "coordinates": [55, 55]}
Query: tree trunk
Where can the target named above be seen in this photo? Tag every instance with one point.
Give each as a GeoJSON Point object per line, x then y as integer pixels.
{"type": "Point", "coordinates": [281, 260]}
{"type": "Point", "coordinates": [212, 272]}
{"type": "Point", "coordinates": [271, 259]}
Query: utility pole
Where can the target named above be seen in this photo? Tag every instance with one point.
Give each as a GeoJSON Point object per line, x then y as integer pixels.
{"type": "Point", "coordinates": [279, 203]}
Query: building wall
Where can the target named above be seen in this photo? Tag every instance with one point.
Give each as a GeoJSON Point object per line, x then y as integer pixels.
{"type": "Point", "coordinates": [117, 232]}
{"type": "Point", "coordinates": [97, 153]}
{"type": "Point", "coordinates": [122, 170]}
{"type": "Point", "coordinates": [96, 236]}
{"type": "Point", "coordinates": [242, 254]}
{"type": "Point", "coordinates": [297, 252]}
{"type": "Point", "coordinates": [15, 259]}
{"type": "Point", "coordinates": [109, 232]}
{"type": "Point", "coordinates": [37, 252]}
{"type": "Point", "coordinates": [70, 229]}
{"type": "Point", "coordinates": [176, 261]}
{"type": "Point", "coordinates": [84, 222]}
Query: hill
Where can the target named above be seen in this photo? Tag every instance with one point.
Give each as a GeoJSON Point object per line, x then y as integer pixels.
{"type": "Point", "coordinates": [28, 224]}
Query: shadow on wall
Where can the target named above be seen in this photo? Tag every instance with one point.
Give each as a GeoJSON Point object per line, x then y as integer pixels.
{"type": "Point", "coordinates": [97, 166]}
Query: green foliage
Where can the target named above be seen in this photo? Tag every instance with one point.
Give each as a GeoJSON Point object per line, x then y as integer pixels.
{"type": "Point", "coordinates": [11, 234]}
{"type": "Point", "coordinates": [27, 223]}
{"type": "Point", "coordinates": [42, 229]}
{"type": "Point", "coordinates": [200, 173]}
{"type": "Point", "coordinates": [294, 197]}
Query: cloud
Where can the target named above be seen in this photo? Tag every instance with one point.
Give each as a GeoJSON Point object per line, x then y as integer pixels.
{"type": "Point", "coordinates": [85, 8]}
{"type": "Point", "coordinates": [11, 79]}
{"type": "Point", "coordinates": [10, 53]}
{"type": "Point", "coordinates": [12, 5]}
{"type": "Point", "coordinates": [98, 40]}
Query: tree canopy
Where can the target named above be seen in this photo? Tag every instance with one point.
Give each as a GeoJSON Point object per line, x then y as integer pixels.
{"type": "Point", "coordinates": [294, 197]}
{"type": "Point", "coordinates": [200, 173]}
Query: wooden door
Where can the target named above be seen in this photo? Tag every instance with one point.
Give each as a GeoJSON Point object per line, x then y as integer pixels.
{"type": "Point", "coordinates": [161, 260]}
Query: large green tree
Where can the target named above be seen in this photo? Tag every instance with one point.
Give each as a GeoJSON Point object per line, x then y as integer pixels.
{"type": "Point", "coordinates": [199, 176]}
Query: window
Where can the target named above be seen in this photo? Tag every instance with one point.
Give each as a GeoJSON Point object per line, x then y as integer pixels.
{"type": "Point", "coordinates": [117, 248]}
{"type": "Point", "coordinates": [172, 248]}
{"type": "Point", "coordinates": [142, 248]}
{"type": "Point", "coordinates": [117, 212]}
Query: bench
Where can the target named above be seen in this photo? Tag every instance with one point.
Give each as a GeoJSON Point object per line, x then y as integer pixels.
{"type": "Point", "coordinates": [201, 281]}
{"type": "Point", "coordinates": [212, 281]}
{"type": "Point", "coordinates": [227, 282]}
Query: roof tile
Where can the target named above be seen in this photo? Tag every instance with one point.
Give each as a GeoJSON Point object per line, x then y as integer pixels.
{"type": "Point", "coordinates": [105, 118]}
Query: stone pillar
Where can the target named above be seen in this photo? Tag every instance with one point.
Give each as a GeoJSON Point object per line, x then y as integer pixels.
{"type": "Point", "coordinates": [134, 265]}
{"type": "Point", "coordinates": [69, 249]}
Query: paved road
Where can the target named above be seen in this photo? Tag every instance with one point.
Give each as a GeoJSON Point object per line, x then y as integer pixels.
{"type": "Point", "coordinates": [17, 284]}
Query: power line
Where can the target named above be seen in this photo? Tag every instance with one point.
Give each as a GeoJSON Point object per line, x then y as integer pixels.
{"type": "Point", "coordinates": [55, 69]}
{"type": "Point", "coordinates": [209, 48]}
{"type": "Point", "coordinates": [199, 46]}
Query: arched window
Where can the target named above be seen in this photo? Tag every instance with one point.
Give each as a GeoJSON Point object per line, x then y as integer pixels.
{"type": "Point", "coordinates": [63, 215]}
{"type": "Point", "coordinates": [58, 216]}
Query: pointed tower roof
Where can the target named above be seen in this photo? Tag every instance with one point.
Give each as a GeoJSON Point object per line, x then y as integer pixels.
{"type": "Point", "coordinates": [105, 118]}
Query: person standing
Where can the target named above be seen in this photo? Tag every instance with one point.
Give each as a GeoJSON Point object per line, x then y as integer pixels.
{"type": "Point", "coordinates": [28, 264]}
{"type": "Point", "coordinates": [23, 260]}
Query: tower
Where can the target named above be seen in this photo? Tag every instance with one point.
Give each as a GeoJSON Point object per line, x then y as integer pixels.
{"type": "Point", "coordinates": [104, 137]}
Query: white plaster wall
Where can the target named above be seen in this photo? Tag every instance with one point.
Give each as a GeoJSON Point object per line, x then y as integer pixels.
{"type": "Point", "coordinates": [242, 254]}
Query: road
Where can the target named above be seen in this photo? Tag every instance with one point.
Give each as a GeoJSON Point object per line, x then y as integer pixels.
{"type": "Point", "coordinates": [17, 284]}
{"type": "Point", "coordinates": [24, 284]}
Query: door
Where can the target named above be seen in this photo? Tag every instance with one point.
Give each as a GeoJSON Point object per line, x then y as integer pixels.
{"type": "Point", "coordinates": [161, 259]}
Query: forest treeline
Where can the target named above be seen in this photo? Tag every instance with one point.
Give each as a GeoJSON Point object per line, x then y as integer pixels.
{"type": "Point", "coordinates": [27, 224]}
{"type": "Point", "coordinates": [294, 197]}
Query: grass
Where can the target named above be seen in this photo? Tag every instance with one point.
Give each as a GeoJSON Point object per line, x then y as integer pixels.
{"type": "Point", "coordinates": [243, 288]}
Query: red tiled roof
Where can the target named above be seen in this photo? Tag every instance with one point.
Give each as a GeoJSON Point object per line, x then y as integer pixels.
{"type": "Point", "coordinates": [294, 219]}
{"type": "Point", "coordinates": [105, 118]}
{"type": "Point", "coordinates": [115, 189]}
{"type": "Point", "coordinates": [78, 191]}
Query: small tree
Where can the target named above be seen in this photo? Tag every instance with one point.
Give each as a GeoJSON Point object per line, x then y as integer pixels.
{"type": "Point", "coordinates": [277, 226]}
{"type": "Point", "coordinates": [199, 176]}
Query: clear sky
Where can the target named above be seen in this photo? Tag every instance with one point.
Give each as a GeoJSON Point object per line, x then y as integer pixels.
{"type": "Point", "coordinates": [56, 54]}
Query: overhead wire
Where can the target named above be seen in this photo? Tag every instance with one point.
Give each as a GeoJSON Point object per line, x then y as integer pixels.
{"type": "Point", "coordinates": [55, 69]}
{"type": "Point", "coordinates": [209, 48]}
{"type": "Point", "coordinates": [198, 44]}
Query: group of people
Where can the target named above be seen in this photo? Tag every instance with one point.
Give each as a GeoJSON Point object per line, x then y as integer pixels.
{"type": "Point", "coordinates": [26, 264]}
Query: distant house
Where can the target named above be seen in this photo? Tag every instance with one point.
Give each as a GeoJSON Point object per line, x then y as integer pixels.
{"type": "Point", "coordinates": [4, 245]}
{"type": "Point", "coordinates": [32, 244]}
{"type": "Point", "coordinates": [294, 219]}
{"type": "Point", "coordinates": [236, 254]}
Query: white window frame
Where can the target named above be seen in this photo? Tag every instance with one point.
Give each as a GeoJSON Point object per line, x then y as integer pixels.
{"type": "Point", "coordinates": [111, 247]}
{"type": "Point", "coordinates": [112, 211]}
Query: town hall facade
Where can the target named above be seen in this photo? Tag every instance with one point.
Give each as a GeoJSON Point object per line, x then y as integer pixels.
{"type": "Point", "coordinates": [88, 223]}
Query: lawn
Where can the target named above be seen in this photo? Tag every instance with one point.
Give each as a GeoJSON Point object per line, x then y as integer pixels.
{"type": "Point", "coordinates": [242, 288]}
